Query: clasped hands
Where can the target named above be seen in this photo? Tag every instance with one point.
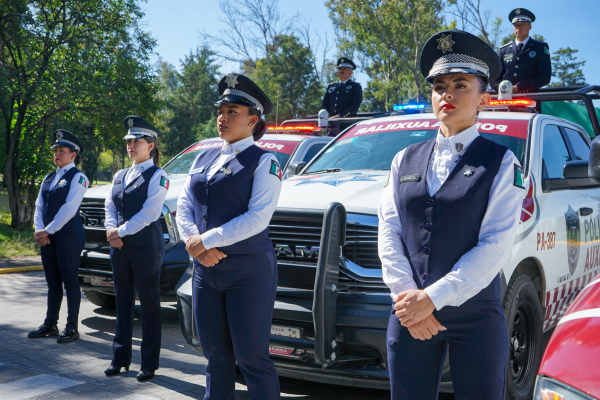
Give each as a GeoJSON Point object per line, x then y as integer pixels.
{"type": "Point", "coordinates": [414, 309]}
{"type": "Point", "coordinates": [112, 235]}
{"type": "Point", "coordinates": [196, 249]}
{"type": "Point", "coordinates": [41, 237]}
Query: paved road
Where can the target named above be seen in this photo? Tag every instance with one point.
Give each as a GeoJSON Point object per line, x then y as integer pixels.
{"type": "Point", "coordinates": [42, 369]}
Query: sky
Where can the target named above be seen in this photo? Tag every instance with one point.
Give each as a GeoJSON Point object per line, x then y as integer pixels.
{"type": "Point", "coordinates": [176, 24]}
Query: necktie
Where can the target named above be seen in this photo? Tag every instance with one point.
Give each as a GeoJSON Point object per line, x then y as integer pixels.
{"type": "Point", "coordinates": [519, 47]}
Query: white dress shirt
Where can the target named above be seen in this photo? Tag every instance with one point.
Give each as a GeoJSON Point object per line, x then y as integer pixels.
{"type": "Point", "coordinates": [67, 210]}
{"type": "Point", "coordinates": [152, 207]}
{"type": "Point", "coordinates": [524, 42]}
{"type": "Point", "coordinates": [477, 268]}
{"type": "Point", "coordinates": [263, 201]}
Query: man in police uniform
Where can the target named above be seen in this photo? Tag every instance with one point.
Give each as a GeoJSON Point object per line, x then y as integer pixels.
{"type": "Point", "coordinates": [526, 61]}
{"type": "Point", "coordinates": [342, 99]}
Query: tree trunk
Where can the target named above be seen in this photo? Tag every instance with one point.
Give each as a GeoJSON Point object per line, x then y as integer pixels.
{"type": "Point", "coordinates": [15, 197]}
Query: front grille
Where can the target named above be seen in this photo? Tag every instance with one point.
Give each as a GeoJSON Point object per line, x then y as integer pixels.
{"type": "Point", "coordinates": [93, 215]}
{"type": "Point", "coordinates": [361, 246]}
{"type": "Point", "coordinates": [350, 282]}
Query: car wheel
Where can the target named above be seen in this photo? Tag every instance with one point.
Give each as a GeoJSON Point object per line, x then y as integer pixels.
{"type": "Point", "coordinates": [524, 319]}
{"type": "Point", "coordinates": [100, 299]}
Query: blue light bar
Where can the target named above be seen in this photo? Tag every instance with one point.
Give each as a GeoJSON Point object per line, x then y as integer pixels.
{"type": "Point", "coordinates": [404, 107]}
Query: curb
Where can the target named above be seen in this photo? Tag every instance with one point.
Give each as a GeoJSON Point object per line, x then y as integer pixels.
{"type": "Point", "coordinates": [22, 269]}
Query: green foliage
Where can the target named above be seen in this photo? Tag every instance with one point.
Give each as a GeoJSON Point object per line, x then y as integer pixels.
{"type": "Point", "coordinates": [208, 129]}
{"type": "Point", "coordinates": [566, 68]}
{"type": "Point", "coordinates": [189, 98]}
{"type": "Point", "coordinates": [14, 243]}
{"type": "Point", "coordinates": [287, 76]}
{"type": "Point", "coordinates": [75, 64]}
{"type": "Point", "coordinates": [388, 36]}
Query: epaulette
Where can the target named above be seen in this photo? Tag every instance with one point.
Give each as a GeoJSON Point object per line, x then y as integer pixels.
{"type": "Point", "coordinates": [538, 41]}
{"type": "Point", "coordinates": [507, 44]}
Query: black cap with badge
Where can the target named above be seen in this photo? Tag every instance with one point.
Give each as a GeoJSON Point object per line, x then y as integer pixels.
{"type": "Point", "coordinates": [236, 88]}
{"type": "Point", "coordinates": [458, 52]}
{"type": "Point", "coordinates": [137, 128]}
{"type": "Point", "coordinates": [521, 15]}
{"type": "Point", "coordinates": [346, 62]}
{"type": "Point", "coordinates": [63, 138]}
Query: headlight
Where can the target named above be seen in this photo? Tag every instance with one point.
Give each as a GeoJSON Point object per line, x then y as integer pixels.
{"type": "Point", "coordinates": [550, 389]}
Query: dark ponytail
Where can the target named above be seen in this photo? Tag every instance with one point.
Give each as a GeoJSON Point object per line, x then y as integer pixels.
{"type": "Point", "coordinates": [260, 127]}
{"type": "Point", "coordinates": [155, 154]}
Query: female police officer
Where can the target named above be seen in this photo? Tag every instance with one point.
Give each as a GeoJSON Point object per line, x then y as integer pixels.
{"type": "Point", "coordinates": [223, 213]}
{"type": "Point", "coordinates": [60, 233]}
{"type": "Point", "coordinates": [133, 207]}
{"type": "Point", "coordinates": [447, 221]}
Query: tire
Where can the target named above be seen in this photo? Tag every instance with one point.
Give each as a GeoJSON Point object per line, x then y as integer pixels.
{"type": "Point", "coordinates": [524, 319]}
{"type": "Point", "coordinates": [100, 299]}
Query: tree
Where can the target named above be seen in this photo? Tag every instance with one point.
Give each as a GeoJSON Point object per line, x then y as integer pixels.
{"type": "Point", "coordinates": [473, 18]}
{"type": "Point", "coordinates": [64, 61]}
{"type": "Point", "coordinates": [287, 76]}
{"type": "Point", "coordinates": [388, 36]}
{"type": "Point", "coordinates": [566, 68]}
{"type": "Point", "coordinates": [190, 98]}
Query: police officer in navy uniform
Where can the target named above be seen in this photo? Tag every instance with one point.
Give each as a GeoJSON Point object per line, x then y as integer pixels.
{"type": "Point", "coordinates": [447, 222]}
{"type": "Point", "coordinates": [526, 61]}
{"type": "Point", "coordinates": [59, 231]}
{"type": "Point", "coordinates": [133, 207]}
{"type": "Point", "coordinates": [223, 214]}
{"type": "Point", "coordinates": [342, 99]}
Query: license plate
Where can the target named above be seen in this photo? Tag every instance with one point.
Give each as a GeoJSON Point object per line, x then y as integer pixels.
{"type": "Point", "coordinates": [285, 331]}
{"type": "Point", "coordinates": [280, 351]}
{"type": "Point", "coordinates": [94, 280]}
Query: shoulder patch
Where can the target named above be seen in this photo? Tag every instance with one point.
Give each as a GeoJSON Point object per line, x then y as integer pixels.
{"type": "Point", "coordinates": [275, 169]}
{"type": "Point", "coordinates": [388, 180]}
{"type": "Point", "coordinates": [82, 181]}
{"type": "Point", "coordinates": [518, 177]}
{"type": "Point", "coordinates": [164, 182]}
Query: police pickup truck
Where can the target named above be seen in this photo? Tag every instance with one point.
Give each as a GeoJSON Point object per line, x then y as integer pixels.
{"type": "Point", "coordinates": [297, 144]}
{"type": "Point", "coordinates": [332, 306]}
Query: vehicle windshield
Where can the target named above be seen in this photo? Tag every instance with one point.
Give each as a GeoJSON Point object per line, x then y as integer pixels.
{"type": "Point", "coordinates": [373, 146]}
{"type": "Point", "coordinates": [182, 164]}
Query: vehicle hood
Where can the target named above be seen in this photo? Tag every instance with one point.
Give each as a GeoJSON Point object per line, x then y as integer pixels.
{"type": "Point", "coordinates": [175, 187]}
{"type": "Point", "coordinates": [359, 191]}
{"type": "Point", "coordinates": [574, 350]}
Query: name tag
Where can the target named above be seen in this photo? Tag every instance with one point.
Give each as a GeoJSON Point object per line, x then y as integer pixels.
{"type": "Point", "coordinates": [117, 182]}
{"type": "Point", "coordinates": [409, 178]}
{"type": "Point", "coordinates": [197, 171]}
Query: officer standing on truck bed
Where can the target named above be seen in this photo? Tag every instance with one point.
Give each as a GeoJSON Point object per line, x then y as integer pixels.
{"type": "Point", "coordinates": [59, 231]}
{"type": "Point", "coordinates": [526, 61]}
{"type": "Point", "coordinates": [447, 220]}
{"type": "Point", "coordinates": [342, 99]}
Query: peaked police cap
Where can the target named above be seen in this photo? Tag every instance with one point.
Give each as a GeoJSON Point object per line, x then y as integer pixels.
{"type": "Point", "coordinates": [138, 128]}
{"type": "Point", "coordinates": [346, 62]}
{"type": "Point", "coordinates": [521, 15]}
{"type": "Point", "coordinates": [236, 88]}
{"type": "Point", "coordinates": [64, 138]}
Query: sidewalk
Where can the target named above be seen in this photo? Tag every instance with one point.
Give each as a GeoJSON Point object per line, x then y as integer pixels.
{"type": "Point", "coordinates": [20, 264]}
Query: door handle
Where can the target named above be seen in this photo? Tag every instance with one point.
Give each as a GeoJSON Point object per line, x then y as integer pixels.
{"type": "Point", "coordinates": [583, 211]}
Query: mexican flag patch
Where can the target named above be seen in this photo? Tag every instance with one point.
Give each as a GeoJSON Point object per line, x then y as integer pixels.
{"type": "Point", "coordinates": [546, 51]}
{"type": "Point", "coordinates": [518, 181]}
{"type": "Point", "coordinates": [275, 169]}
{"type": "Point", "coordinates": [82, 181]}
{"type": "Point", "coordinates": [164, 182]}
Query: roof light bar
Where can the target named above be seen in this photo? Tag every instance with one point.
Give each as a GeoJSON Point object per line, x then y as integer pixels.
{"type": "Point", "coordinates": [293, 128]}
{"type": "Point", "coordinates": [513, 103]}
{"type": "Point", "coordinates": [406, 107]}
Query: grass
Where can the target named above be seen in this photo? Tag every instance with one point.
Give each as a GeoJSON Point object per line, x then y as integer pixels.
{"type": "Point", "coordinates": [14, 243]}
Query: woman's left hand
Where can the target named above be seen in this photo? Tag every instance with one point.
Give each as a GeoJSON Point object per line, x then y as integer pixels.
{"type": "Point", "coordinates": [195, 246]}
{"type": "Point", "coordinates": [413, 306]}
{"type": "Point", "coordinates": [112, 234]}
{"type": "Point", "coordinates": [38, 235]}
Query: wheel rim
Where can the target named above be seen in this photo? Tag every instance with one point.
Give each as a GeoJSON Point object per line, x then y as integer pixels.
{"type": "Point", "coordinates": [522, 344]}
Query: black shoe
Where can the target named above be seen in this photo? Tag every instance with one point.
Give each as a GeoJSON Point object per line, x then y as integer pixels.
{"type": "Point", "coordinates": [43, 331]}
{"type": "Point", "coordinates": [112, 370]}
{"type": "Point", "coordinates": [68, 335]}
{"type": "Point", "coordinates": [145, 374]}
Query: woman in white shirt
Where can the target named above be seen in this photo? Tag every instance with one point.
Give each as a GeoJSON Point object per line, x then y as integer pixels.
{"type": "Point", "coordinates": [223, 213]}
{"type": "Point", "coordinates": [133, 207]}
{"type": "Point", "coordinates": [447, 223]}
{"type": "Point", "coordinates": [59, 231]}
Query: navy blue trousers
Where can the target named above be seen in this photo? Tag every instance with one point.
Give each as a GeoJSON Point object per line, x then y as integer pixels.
{"type": "Point", "coordinates": [60, 259]}
{"type": "Point", "coordinates": [137, 267]}
{"type": "Point", "coordinates": [477, 343]}
{"type": "Point", "coordinates": [233, 309]}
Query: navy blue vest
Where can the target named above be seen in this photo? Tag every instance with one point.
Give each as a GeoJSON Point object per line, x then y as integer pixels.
{"type": "Point", "coordinates": [437, 231]}
{"type": "Point", "coordinates": [54, 198]}
{"type": "Point", "coordinates": [129, 201]}
{"type": "Point", "coordinates": [226, 196]}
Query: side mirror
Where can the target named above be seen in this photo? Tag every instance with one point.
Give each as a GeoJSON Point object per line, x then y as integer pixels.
{"type": "Point", "coordinates": [594, 164]}
{"type": "Point", "coordinates": [295, 168]}
{"type": "Point", "coordinates": [576, 174]}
